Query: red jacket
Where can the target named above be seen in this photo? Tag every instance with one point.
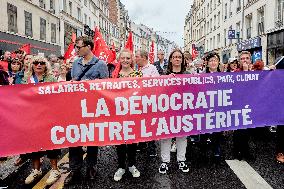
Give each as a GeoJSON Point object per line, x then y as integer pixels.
{"type": "Point", "coordinates": [4, 65]}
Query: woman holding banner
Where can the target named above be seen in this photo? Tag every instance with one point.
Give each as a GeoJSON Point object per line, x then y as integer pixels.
{"type": "Point", "coordinates": [125, 69]}
{"type": "Point", "coordinates": [176, 65]}
{"type": "Point", "coordinates": [213, 65]}
{"type": "Point", "coordinates": [40, 71]}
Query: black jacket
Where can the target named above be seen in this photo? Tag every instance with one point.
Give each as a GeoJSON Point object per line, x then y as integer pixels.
{"type": "Point", "coordinates": [4, 78]}
{"type": "Point", "coordinates": [160, 69]}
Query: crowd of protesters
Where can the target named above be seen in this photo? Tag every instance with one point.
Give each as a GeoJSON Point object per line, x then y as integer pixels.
{"type": "Point", "coordinates": [25, 69]}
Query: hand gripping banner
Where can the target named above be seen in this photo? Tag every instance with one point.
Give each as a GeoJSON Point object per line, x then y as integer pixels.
{"type": "Point", "coordinates": [115, 111]}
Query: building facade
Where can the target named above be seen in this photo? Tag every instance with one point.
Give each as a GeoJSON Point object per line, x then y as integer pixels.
{"type": "Point", "coordinates": [231, 26]}
{"type": "Point", "coordinates": [48, 25]}
{"type": "Point", "coordinates": [30, 22]}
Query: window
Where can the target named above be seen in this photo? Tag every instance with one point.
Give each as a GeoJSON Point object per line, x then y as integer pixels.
{"type": "Point", "coordinates": [239, 5]}
{"type": "Point", "coordinates": [64, 6]}
{"type": "Point", "coordinates": [260, 18]}
{"type": "Point", "coordinates": [280, 9]}
{"type": "Point", "coordinates": [238, 27]}
{"type": "Point", "coordinates": [42, 4]}
{"type": "Point", "coordinates": [207, 45]}
{"type": "Point", "coordinates": [90, 21]}
{"type": "Point", "coordinates": [207, 9]}
{"type": "Point", "coordinates": [79, 14]}
{"type": "Point", "coordinates": [219, 18]}
{"type": "Point", "coordinates": [214, 42]}
{"type": "Point", "coordinates": [225, 37]}
{"type": "Point", "coordinates": [226, 11]}
{"type": "Point", "coordinates": [12, 18]}
{"type": "Point", "coordinates": [208, 27]}
{"type": "Point", "coordinates": [51, 5]}
{"type": "Point", "coordinates": [85, 2]}
{"type": "Point", "coordinates": [231, 5]}
{"type": "Point", "coordinates": [214, 22]}
{"type": "Point", "coordinates": [218, 40]}
{"type": "Point", "coordinates": [249, 25]}
{"type": "Point", "coordinates": [28, 24]}
{"type": "Point", "coordinates": [70, 7]}
{"type": "Point", "coordinates": [85, 16]}
{"type": "Point", "coordinates": [42, 29]}
{"type": "Point", "coordinates": [53, 33]}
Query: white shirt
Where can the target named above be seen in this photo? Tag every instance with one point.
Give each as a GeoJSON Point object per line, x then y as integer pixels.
{"type": "Point", "coordinates": [150, 71]}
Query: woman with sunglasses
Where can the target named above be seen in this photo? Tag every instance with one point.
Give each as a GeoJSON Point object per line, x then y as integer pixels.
{"type": "Point", "coordinates": [40, 71]}
{"type": "Point", "coordinates": [213, 65]}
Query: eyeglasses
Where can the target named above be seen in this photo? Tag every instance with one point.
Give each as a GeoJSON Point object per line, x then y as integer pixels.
{"type": "Point", "coordinates": [16, 63]}
{"type": "Point", "coordinates": [38, 62]}
{"type": "Point", "coordinates": [213, 60]}
{"type": "Point", "coordinates": [177, 57]}
{"type": "Point", "coordinates": [77, 47]}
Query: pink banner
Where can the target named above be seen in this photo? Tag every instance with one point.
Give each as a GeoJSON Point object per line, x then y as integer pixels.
{"type": "Point", "coordinates": [115, 111]}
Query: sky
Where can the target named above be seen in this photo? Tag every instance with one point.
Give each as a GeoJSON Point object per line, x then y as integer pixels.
{"type": "Point", "coordinates": [161, 15]}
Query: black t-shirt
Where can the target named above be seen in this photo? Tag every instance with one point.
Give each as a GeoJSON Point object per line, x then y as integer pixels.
{"type": "Point", "coordinates": [4, 78]}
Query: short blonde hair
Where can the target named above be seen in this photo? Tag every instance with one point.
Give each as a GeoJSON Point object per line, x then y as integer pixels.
{"type": "Point", "coordinates": [245, 52]}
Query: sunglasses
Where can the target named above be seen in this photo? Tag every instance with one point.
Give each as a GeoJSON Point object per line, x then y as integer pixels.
{"type": "Point", "coordinates": [37, 63]}
{"type": "Point", "coordinates": [77, 47]}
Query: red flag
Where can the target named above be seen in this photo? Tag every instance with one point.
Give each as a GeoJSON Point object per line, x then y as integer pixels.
{"type": "Point", "coordinates": [151, 54]}
{"type": "Point", "coordinates": [101, 49]}
{"type": "Point", "coordinates": [26, 48]}
{"type": "Point", "coordinates": [70, 52]}
{"type": "Point", "coordinates": [73, 38]}
{"type": "Point", "coordinates": [194, 52]}
{"type": "Point", "coordinates": [71, 49]}
{"type": "Point", "coordinates": [129, 43]}
{"type": "Point", "coordinates": [113, 51]}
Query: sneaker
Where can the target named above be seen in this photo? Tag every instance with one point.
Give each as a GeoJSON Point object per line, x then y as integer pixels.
{"type": "Point", "coordinates": [134, 171]}
{"type": "Point", "coordinates": [183, 167]}
{"type": "Point", "coordinates": [118, 174]}
{"type": "Point", "coordinates": [174, 147]}
{"type": "Point", "coordinates": [163, 168]}
{"type": "Point", "coordinates": [53, 177]}
{"type": "Point", "coordinates": [34, 175]}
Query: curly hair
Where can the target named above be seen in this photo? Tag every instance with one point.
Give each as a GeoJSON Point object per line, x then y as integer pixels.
{"type": "Point", "coordinates": [47, 71]}
{"type": "Point", "coordinates": [211, 55]}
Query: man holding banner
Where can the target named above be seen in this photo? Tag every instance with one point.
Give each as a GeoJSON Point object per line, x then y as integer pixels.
{"type": "Point", "coordinates": [87, 67]}
{"type": "Point", "coordinates": [148, 70]}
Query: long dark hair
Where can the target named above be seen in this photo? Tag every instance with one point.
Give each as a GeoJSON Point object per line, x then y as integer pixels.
{"type": "Point", "coordinates": [12, 61]}
{"type": "Point", "coordinates": [170, 64]}
{"type": "Point", "coordinates": [233, 62]}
